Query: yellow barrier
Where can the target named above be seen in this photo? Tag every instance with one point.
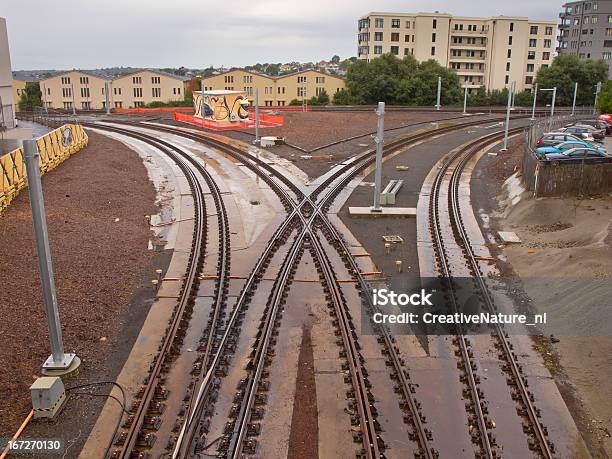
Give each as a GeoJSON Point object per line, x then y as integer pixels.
{"type": "Point", "coordinates": [54, 147]}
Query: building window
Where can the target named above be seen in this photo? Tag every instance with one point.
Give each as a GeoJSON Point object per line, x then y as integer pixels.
{"type": "Point", "coordinates": [137, 92]}
{"type": "Point", "coordinates": [510, 40]}
{"type": "Point", "coordinates": [433, 37]}
{"type": "Point", "coordinates": [406, 51]}
{"type": "Point", "coordinates": [606, 55]}
{"type": "Point", "coordinates": [395, 50]}
{"type": "Point", "coordinates": [530, 67]}
{"type": "Point", "coordinates": [548, 30]}
{"type": "Point", "coordinates": [529, 79]}
{"type": "Point", "coordinates": [509, 53]}
{"type": "Point", "coordinates": [378, 36]}
{"type": "Point", "coordinates": [594, 20]}
{"type": "Point", "coordinates": [137, 80]}
{"type": "Point", "coordinates": [155, 80]}
{"type": "Point", "coordinates": [433, 50]}
{"type": "Point", "coordinates": [407, 38]}
{"type": "Point", "coordinates": [546, 56]}
{"type": "Point", "coordinates": [533, 30]}
{"type": "Point", "coordinates": [507, 79]}
{"type": "Point", "coordinates": [65, 80]}
{"type": "Point", "coordinates": [547, 43]}
{"type": "Point", "coordinates": [512, 27]}
{"type": "Point", "coordinates": [533, 42]}
{"type": "Point", "coordinates": [156, 92]}
{"type": "Point", "coordinates": [84, 92]}
{"type": "Point", "coordinates": [531, 55]}
{"type": "Point", "coordinates": [379, 22]}
{"type": "Point", "coordinates": [607, 43]}
{"type": "Point", "coordinates": [434, 24]}
{"type": "Point", "coordinates": [377, 49]}
{"type": "Point", "coordinates": [507, 66]}
{"type": "Point", "coordinates": [395, 23]}
{"type": "Point", "coordinates": [395, 37]}
{"type": "Point", "coordinates": [138, 104]}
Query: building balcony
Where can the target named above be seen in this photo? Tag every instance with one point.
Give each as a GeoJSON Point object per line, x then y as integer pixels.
{"type": "Point", "coordinates": [469, 33]}
{"type": "Point", "coordinates": [478, 46]}
{"type": "Point", "coordinates": [467, 59]}
{"type": "Point", "coordinates": [469, 72]}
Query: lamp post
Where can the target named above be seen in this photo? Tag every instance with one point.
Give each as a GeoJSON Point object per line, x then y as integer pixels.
{"type": "Point", "coordinates": [257, 141]}
{"type": "Point", "coordinates": [597, 90]}
{"type": "Point", "coordinates": [379, 141]}
{"type": "Point", "coordinates": [552, 105]}
{"type": "Point", "coordinates": [574, 101]}
{"type": "Point", "coordinates": [465, 92]}
{"type": "Point", "coordinates": [73, 101]}
{"type": "Point", "coordinates": [58, 361]}
{"type": "Point", "coordinates": [505, 147]}
{"type": "Point", "coordinates": [535, 96]}
{"type": "Point", "coordinates": [439, 93]}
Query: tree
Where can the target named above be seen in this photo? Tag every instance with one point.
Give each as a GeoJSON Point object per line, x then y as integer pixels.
{"type": "Point", "coordinates": [564, 72]}
{"type": "Point", "coordinates": [295, 102]}
{"type": "Point", "coordinates": [342, 97]}
{"type": "Point", "coordinates": [335, 59]}
{"type": "Point", "coordinates": [400, 81]}
{"type": "Point", "coordinates": [604, 102]}
{"type": "Point", "coordinates": [31, 97]}
{"type": "Point", "coordinates": [523, 99]}
{"type": "Point", "coordinates": [479, 99]}
{"type": "Point", "coordinates": [323, 98]}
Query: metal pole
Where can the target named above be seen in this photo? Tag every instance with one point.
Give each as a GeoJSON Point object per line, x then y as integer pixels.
{"type": "Point", "coordinates": [597, 89]}
{"type": "Point", "coordinates": [45, 99]}
{"type": "Point", "coordinates": [552, 107]}
{"type": "Point", "coordinates": [535, 96]}
{"type": "Point", "coordinates": [106, 90]}
{"type": "Point", "coordinates": [507, 122]}
{"type": "Point", "coordinates": [574, 102]}
{"type": "Point", "coordinates": [58, 360]}
{"type": "Point", "coordinates": [257, 141]}
{"type": "Point", "coordinates": [513, 92]}
{"type": "Point", "coordinates": [73, 102]}
{"type": "Point", "coordinates": [202, 98]}
{"type": "Point", "coordinates": [465, 101]}
{"type": "Point", "coordinates": [379, 141]}
{"type": "Point", "coordinates": [439, 92]}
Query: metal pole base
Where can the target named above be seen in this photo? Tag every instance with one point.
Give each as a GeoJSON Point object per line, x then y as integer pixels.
{"type": "Point", "coordinates": [51, 364]}
{"type": "Point", "coordinates": [376, 209]}
{"type": "Point", "coordinates": [532, 119]}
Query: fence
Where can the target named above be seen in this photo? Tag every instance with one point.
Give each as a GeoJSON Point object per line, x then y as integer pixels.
{"type": "Point", "coordinates": [562, 178]}
{"type": "Point", "coordinates": [54, 148]}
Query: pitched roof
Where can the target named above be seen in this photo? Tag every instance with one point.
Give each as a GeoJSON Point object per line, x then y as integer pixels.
{"type": "Point", "coordinates": [159, 72]}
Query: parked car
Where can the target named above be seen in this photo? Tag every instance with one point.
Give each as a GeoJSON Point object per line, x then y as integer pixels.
{"type": "Point", "coordinates": [577, 153]}
{"type": "Point", "coordinates": [587, 132]}
{"type": "Point", "coordinates": [550, 139]}
{"type": "Point", "coordinates": [606, 117]}
{"type": "Point", "coordinates": [564, 146]}
{"type": "Point", "coordinates": [597, 124]}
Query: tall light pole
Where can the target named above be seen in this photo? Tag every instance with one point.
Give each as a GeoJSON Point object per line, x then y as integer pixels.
{"type": "Point", "coordinates": [379, 141]}
{"type": "Point", "coordinates": [107, 95]}
{"type": "Point", "coordinates": [535, 96]}
{"type": "Point", "coordinates": [439, 92]}
{"type": "Point", "coordinates": [58, 360]}
{"type": "Point", "coordinates": [73, 101]}
{"type": "Point", "coordinates": [512, 92]}
{"type": "Point", "coordinates": [574, 102]}
{"type": "Point", "coordinates": [44, 91]}
{"type": "Point", "coordinates": [202, 100]}
{"type": "Point", "coordinates": [505, 147]}
{"type": "Point", "coordinates": [257, 141]}
{"type": "Point", "coordinates": [597, 90]}
{"type": "Point", "coordinates": [465, 90]}
{"type": "Point", "coordinates": [552, 105]}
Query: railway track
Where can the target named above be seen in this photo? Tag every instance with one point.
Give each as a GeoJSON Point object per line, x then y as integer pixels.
{"type": "Point", "coordinates": [477, 407]}
{"type": "Point", "coordinates": [306, 215]}
{"type": "Point", "coordinates": [138, 430]}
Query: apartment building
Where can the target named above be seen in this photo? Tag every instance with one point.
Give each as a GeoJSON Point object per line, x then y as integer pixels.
{"type": "Point", "coordinates": [86, 90]}
{"type": "Point", "coordinates": [276, 91]}
{"type": "Point", "coordinates": [18, 89]}
{"type": "Point", "coordinates": [7, 115]}
{"type": "Point", "coordinates": [489, 51]}
{"type": "Point", "coordinates": [586, 30]}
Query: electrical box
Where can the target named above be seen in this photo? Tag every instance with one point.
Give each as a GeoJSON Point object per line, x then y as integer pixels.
{"type": "Point", "coordinates": [48, 396]}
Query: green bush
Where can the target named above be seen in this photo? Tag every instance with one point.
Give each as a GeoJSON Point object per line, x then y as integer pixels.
{"type": "Point", "coordinates": [31, 97]}
{"type": "Point", "coordinates": [295, 102]}
{"type": "Point", "coordinates": [604, 102]}
{"type": "Point", "coordinates": [323, 98]}
{"type": "Point", "coordinates": [343, 97]}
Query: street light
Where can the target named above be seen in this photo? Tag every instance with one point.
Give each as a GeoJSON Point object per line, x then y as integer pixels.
{"type": "Point", "coordinates": [535, 96]}
{"type": "Point", "coordinates": [505, 147]}
{"type": "Point", "coordinates": [597, 89]}
{"type": "Point", "coordinates": [439, 92]}
{"type": "Point", "coordinates": [552, 105]}
{"type": "Point", "coordinates": [465, 100]}
{"type": "Point", "coordinates": [574, 102]}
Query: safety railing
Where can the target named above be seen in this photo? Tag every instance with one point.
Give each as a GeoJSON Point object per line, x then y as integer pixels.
{"type": "Point", "coordinates": [54, 148]}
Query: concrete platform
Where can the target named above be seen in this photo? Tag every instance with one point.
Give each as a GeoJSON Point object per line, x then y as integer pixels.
{"type": "Point", "coordinates": [386, 211]}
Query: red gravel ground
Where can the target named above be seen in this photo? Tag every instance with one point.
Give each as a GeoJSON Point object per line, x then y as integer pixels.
{"type": "Point", "coordinates": [99, 263]}
{"type": "Point", "coordinates": [314, 129]}
{"type": "Point", "coordinates": [304, 438]}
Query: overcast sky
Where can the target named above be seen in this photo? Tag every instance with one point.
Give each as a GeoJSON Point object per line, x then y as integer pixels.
{"type": "Point", "coordinates": [66, 34]}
